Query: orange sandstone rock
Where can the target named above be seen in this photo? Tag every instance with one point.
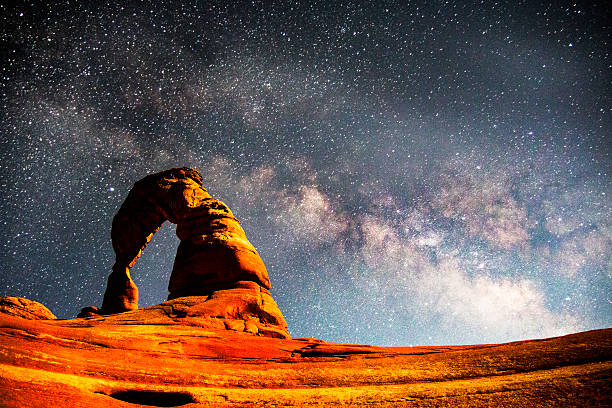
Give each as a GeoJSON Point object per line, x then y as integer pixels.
{"type": "Point", "coordinates": [213, 256]}
{"type": "Point", "coordinates": [21, 307]}
{"type": "Point", "coordinates": [170, 355]}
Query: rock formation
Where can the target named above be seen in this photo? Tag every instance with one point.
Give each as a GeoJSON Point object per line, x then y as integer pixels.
{"type": "Point", "coordinates": [214, 257]}
{"type": "Point", "coordinates": [21, 307]}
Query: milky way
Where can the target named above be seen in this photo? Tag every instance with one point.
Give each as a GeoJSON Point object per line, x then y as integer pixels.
{"type": "Point", "coordinates": [410, 172]}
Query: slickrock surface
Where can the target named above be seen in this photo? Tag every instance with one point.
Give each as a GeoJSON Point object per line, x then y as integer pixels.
{"type": "Point", "coordinates": [165, 355]}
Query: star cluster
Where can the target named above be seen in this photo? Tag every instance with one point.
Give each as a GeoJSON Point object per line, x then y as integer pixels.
{"type": "Point", "coordinates": [411, 172]}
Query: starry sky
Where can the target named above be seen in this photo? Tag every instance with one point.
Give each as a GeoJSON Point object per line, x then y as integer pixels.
{"type": "Point", "coordinates": [411, 172]}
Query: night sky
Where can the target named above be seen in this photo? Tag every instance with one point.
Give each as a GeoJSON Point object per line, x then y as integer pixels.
{"type": "Point", "coordinates": [411, 173]}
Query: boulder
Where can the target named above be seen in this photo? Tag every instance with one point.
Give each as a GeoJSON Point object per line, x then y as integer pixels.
{"type": "Point", "coordinates": [21, 307]}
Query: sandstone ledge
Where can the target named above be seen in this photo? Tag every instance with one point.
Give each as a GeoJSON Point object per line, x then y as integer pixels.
{"type": "Point", "coordinates": [247, 307]}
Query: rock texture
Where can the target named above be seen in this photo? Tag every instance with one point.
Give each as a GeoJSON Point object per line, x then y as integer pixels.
{"type": "Point", "coordinates": [161, 356]}
{"type": "Point", "coordinates": [21, 307]}
{"type": "Point", "coordinates": [214, 258]}
{"type": "Point", "coordinates": [247, 308]}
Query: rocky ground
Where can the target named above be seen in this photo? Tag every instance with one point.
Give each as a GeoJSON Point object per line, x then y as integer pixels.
{"type": "Point", "coordinates": [156, 357]}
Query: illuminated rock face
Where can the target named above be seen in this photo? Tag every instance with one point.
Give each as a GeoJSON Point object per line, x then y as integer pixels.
{"type": "Point", "coordinates": [154, 357]}
{"type": "Point", "coordinates": [213, 257]}
{"type": "Point", "coordinates": [28, 309]}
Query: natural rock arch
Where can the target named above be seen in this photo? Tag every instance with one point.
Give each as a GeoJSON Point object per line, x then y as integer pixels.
{"type": "Point", "coordinates": [213, 254]}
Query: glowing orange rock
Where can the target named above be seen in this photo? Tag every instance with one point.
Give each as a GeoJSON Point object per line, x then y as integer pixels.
{"type": "Point", "coordinates": [213, 255]}
{"type": "Point", "coordinates": [21, 307]}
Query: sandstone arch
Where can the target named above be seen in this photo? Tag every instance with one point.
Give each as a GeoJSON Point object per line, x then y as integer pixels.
{"type": "Point", "coordinates": [213, 254]}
